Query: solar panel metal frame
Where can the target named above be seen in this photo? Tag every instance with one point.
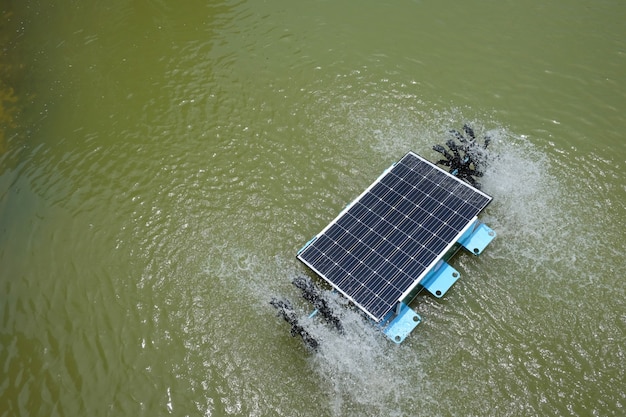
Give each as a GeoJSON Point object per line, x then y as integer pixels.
{"type": "Point", "coordinates": [391, 274]}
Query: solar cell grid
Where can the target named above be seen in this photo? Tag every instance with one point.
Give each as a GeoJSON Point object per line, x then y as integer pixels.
{"type": "Point", "coordinates": [389, 237]}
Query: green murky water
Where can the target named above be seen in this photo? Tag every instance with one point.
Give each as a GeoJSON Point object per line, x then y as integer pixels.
{"type": "Point", "coordinates": [167, 160]}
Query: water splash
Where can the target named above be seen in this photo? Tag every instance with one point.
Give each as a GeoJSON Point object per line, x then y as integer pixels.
{"type": "Point", "coordinates": [363, 373]}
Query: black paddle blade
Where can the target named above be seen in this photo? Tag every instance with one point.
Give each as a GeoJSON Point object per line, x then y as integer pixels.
{"type": "Point", "coordinates": [458, 135]}
{"type": "Point", "coordinates": [442, 150]}
{"type": "Point", "coordinates": [286, 311]}
{"type": "Point", "coordinates": [316, 297]}
{"type": "Point", "coordinates": [452, 145]}
{"type": "Point", "coordinates": [469, 131]}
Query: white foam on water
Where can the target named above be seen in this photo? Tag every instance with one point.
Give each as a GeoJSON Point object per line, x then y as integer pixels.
{"type": "Point", "coordinates": [358, 372]}
{"type": "Point", "coordinates": [540, 245]}
{"type": "Point", "coordinates": [362, 372]}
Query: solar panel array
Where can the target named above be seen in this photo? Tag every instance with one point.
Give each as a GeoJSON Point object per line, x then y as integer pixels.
{"type": "Point", "coordinates": [386, 241]}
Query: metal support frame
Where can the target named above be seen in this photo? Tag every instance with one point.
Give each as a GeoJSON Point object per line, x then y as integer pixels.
{"type": "Point", "coordinates": [403, 320]}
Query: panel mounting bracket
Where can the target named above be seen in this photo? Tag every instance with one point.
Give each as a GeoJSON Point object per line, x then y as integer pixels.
{"type": "Point", "coordinates": [402, 324]}
{"type": "Point", "coordinates": [440, 279]}
{"type": "Point", "coordinates": [481, 235]}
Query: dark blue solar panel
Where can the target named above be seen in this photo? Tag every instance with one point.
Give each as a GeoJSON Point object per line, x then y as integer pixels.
{"type": "Point", "coordinates": [388, 238]}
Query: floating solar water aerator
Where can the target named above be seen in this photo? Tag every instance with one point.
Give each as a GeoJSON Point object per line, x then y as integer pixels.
{"type": "Point", "coordinates": [395, 239]}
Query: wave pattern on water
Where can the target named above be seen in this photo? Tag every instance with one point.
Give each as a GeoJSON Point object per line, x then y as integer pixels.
{"type": "Point", "coordinates": [145, 232]}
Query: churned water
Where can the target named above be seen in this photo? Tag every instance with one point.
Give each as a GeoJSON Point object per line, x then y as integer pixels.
{"type": "Point", "coordinates": [162, 162]}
